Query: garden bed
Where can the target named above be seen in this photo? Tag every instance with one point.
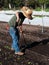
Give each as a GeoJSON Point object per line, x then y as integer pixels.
{"type": "Point", "coordinates": [33, 42]}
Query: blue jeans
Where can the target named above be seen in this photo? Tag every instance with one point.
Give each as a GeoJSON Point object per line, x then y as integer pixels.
{"type": "Point", "coordinates": [15, 38]}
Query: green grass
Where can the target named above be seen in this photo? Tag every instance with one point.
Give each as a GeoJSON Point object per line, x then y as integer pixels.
{"type": "Point", "coordinates": [7, 47]}
{"type": "Point", "coordinates": [0, 63]}
{"type": "Point", "coordinates": [38, 9]}
{"type": "Point", "coordinates": [47, 9]}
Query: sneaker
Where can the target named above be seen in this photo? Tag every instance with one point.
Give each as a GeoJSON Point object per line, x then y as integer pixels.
{"type": "Point", "coordinates": [19, 53]}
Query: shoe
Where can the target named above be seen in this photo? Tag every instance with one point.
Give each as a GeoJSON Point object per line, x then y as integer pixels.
{"type": "Point", "coordinates": [19, 53]}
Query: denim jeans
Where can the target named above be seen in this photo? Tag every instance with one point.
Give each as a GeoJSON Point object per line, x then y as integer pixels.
{"type": "Point", "coordinates": [15, 38]}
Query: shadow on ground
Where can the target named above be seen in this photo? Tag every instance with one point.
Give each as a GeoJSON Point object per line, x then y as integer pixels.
{"type": "Point", "coordinates": [33, 44]}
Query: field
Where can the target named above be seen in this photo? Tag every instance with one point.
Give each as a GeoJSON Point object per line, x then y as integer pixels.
{"type": "Point", "coordinates": [33, 43]}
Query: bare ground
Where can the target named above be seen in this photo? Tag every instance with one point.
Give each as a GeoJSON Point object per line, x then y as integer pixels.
{"type": "Point", "coordinates": [33, 43]}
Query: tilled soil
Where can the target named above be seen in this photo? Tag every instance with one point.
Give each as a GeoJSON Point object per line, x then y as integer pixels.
{"type": "Point", "coordinates": [33, 43]}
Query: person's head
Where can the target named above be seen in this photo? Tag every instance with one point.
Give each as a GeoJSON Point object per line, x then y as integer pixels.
{"type": "Point", "coordinates": [27, 12]}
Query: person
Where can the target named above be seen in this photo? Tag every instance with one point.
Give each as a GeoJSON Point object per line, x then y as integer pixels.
{"type": "Point", "coordinates": [14, 30]}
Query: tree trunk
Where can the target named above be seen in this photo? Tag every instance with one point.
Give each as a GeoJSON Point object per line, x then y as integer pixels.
{"type": "Point", "coordinates": [9, 6]}
{"type": "Point", "coordinates": [44, 6]}
{"type": "Point", "coordinates": [41, 7]}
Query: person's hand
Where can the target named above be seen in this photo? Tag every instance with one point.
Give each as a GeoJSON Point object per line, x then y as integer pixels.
{"type": "Point", "coordinates": [21, 31]}
{"type": "Point", "coordinates": [7, 27]}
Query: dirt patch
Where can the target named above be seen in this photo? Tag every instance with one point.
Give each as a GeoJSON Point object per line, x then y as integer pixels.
{"type": "Point", "coordinates": [33, 42]}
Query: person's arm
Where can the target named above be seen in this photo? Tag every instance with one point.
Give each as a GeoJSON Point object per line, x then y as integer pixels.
{"type": "Point", "coordinates": [17, 15]}
{"type": "Point", "coordinates": [18, 19]}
